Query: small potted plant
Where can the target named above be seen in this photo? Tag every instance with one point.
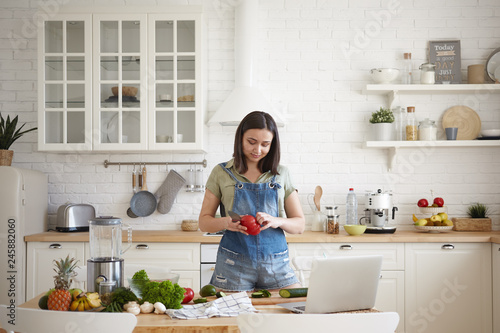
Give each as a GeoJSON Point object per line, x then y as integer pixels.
{"type": "Point", "coordinates": [8, 134]}
{"type": "Point", "coordinates": [478, 219]}
{"type": "Point", "coordinates": [381, 121]}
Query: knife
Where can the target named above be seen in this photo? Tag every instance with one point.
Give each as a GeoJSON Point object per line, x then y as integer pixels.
{"type": "Point", "coordinates": [234, 216]}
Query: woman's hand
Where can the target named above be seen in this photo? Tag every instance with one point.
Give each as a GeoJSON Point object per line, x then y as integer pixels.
{"type": "Point", "coordinates": [235, 226]}
{"type": "Point", "coordinates": [267, 221]}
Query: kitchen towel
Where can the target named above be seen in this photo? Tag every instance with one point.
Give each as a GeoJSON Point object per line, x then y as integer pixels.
{"type": "Point", "coordinates": [227, 306]}
{"type": "Point", "coordinates": [167, 192]}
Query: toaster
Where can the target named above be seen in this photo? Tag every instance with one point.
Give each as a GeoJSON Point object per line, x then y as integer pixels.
{"type": "Point", "coordinates": [74, 217]}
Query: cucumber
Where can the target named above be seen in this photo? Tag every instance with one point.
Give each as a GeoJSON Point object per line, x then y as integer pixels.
{"type": "Point", "coordinates": [261, 294]}
{"type": "Point", "coordinates": [293, 292]}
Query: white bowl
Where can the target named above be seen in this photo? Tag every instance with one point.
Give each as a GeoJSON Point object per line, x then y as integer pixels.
{"type": "Point", "coordinates": [384, 75]}
{"type": "Point", "coordinates": [490, 132]}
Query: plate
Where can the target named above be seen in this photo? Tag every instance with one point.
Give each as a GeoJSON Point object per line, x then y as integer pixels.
{"type": "Point", "coordinates": [466, 119]}
{"type": "Point", "coordinates": [492, 64]}
{"type": "Point", "coordinates": [433, 210]}
{"type": "Point", "coordinates": [130, 131]}
{"type": "Point", "coordinates": [434, 230]}
{"type": "Point", "coordinates": [490, 132]}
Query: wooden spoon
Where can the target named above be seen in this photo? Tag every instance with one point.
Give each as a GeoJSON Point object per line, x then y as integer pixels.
{"type": "Point", "coordinates": [318, 192]}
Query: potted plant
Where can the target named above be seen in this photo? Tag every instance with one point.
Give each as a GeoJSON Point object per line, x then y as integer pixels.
{"type": "Point", "coordinates": [478, 219]}
{"type": "Point", "coordinates": [381, 121]}
{"type": "Point", "coordinates": [8, 134]}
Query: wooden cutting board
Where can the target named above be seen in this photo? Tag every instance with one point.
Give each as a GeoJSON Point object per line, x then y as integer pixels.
{"type": "Point", "coordinates": [274, 299]}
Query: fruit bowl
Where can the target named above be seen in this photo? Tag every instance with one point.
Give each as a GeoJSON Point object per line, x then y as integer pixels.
{"type": "Point", "coordinates": [433, 210]}
{"type": "Point", "coordinates": [355, 229]}
{"type": "Point", "coordinates": [433, 229]}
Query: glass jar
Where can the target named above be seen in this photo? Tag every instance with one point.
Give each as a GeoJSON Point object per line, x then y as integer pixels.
{"type": "Point", "coordinates": [332, 221]}
{"type": "Point", "coordinates": [427, 73]}
{"type": "Point", "coordinates": [411, 125]}
{"type": "Point", "coordinates": [427, 130]}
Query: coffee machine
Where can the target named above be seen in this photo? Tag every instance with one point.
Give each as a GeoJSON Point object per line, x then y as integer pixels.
{"type": "Point", "coordinates": [378, 204]}
{"type": "Point", "coordinates": [105, 264]}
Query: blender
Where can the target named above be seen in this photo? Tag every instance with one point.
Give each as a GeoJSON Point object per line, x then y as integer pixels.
{"type": "Point", "coordinates": [105, 263]}
{"type": "Point", "coordinates": [376, 217]}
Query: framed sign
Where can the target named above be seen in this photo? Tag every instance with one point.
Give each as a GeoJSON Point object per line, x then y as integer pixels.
{"type": "Point", "coordinates": [446, 56]}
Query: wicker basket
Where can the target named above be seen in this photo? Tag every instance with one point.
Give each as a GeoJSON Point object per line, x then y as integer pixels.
{"type": "Point", "coordinates": [6, 157]}
{"type": "Point", "coordinates": [470, 224]}
{"type": "Point", "coordinates": [189, 225]}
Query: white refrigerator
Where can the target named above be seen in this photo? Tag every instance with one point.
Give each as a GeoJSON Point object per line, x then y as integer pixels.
{"type": "Point", "coordinates": [23, 211]}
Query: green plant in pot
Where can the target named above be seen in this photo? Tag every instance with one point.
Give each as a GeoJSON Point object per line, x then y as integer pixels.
{"type": "Point", "coordinates": [381, 121]}
{"type": "Point", "coordinates": [9, 133]}
{"type": "Point", "coordinates": [478, 219]}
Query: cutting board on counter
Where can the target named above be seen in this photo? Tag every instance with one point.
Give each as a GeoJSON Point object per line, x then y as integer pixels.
{"type": "Point", "coordinates": [274, 299]}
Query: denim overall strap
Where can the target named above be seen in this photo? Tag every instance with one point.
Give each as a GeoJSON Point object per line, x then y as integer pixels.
{"type": "Point", "coordinates": [250, 198]}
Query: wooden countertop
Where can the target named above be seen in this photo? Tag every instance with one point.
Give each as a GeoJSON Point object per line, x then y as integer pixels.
{"type": "Point", "coordinates": [178, 236]}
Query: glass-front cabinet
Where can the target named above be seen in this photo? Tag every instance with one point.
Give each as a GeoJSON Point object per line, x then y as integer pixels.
{"type": "Point", "coordinates": [122, 82]}
{"type": "Point", "coordinates": [64, 83]}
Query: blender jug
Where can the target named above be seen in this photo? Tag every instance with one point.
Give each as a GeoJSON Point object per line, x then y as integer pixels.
{"type": "Point", "coordinates": [105, 243]}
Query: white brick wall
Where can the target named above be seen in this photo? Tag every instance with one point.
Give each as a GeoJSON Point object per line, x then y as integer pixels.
{"type": "Point", "coordinates": [314, 60]}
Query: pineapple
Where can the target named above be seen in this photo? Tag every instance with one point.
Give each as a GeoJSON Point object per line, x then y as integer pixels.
{"type": "Point", "coordinates": [60, 298]}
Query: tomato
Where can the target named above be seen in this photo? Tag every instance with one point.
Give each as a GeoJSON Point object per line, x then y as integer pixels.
{"type": "Point", "coordinates": [253, 228]}
{"type": "Point", "coordinates": [422, 203]}
{"type": "Point", "coordinates": [439, 201]}
{"type": "Point", "coordinates": [188, 295]}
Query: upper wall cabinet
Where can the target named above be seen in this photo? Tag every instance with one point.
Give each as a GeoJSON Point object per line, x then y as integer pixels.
{"type": "Point", "coordinates": [64, 83]}
{"type": "Point", "coordinates": [141, 83]}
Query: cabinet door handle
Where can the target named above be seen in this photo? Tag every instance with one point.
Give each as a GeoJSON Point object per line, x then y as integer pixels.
{"type": "Point", "coordinates": [142, 247]}
{"type": "Point", "coordinates": [55, 246]}
{"type": "Point", "coordinates": [345, 247]}
{"type": "Point", "coordinates": [448, 247]}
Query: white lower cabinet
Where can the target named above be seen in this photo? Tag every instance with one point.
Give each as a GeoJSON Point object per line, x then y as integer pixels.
{"type": "Point", "coordinates": [448, 287]}
{"type": "Point", "coordinates": [181, 258]}
{"type": "Point", "coordinates": [40, 263]}
{"type": "Point", "coordinates": [390, 293]}
{"type": "Point", "coordinates": [495, 256]}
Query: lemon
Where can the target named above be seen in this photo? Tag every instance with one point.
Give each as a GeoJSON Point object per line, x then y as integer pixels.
{"type": "Point", "coordinates": [208, 290]}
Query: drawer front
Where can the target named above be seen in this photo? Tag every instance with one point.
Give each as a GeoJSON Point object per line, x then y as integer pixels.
{"type": "Point", "coordinates": [392, 253]}
{"type": "Point", "coordinates": [175, 256]}
{"type": "Point", "coordinates": [209, 252]}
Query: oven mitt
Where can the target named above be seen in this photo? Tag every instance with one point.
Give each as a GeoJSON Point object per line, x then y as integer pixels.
{"type": "Point", "coordinates": [167, 192]}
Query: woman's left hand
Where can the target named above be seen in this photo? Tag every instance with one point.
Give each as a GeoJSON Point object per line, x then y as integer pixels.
{"type": "Point", "coordinates": [267, 221]}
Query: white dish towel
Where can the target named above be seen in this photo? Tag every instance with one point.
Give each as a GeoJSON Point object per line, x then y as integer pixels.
{"type": "Point", "coordinates": [227, 306]}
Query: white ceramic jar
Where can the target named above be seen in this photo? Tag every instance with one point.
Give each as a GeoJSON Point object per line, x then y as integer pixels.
{"type": "Point", "coordinates": [427, 73]}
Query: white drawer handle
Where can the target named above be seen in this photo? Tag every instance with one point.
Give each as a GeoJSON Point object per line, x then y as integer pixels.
{"type": "Point", "coordinates": [55, 246]}
{"type": "Point", "coordinates": [448, 247]}
{"type": "Point", "coordinates": [142, 247]}
{"type": "Point", "coordinates": [345, 247]}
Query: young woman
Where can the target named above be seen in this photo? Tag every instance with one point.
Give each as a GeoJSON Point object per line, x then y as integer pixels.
{"type": "Point", "coordinates": [253, 183]}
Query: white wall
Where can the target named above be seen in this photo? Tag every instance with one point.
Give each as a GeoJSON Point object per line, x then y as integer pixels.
{"type": "Point", "coordinates": [314, 61]}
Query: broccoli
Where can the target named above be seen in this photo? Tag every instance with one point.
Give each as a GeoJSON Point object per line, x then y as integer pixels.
{"type": "Point", "coordinates": [140, 275]}
{"type": "Point", "coordinates": [166, 292]}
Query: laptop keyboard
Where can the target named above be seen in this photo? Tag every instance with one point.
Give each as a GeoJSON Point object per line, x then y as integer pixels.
{"type": "Point", "coordinates": [300, 307]}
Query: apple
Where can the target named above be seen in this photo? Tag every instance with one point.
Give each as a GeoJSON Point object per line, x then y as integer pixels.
{"type": "Point", "coordinates": [436, 218]}
{"type": "Point", "coordinates": [444, 216]}
{"type": "Point", "coordinates": [421, 222]}
{"type": "Point", "coordinates": [422, 203]}
{"type": "Point", "coordinates": [439, 202]}
{"type": "Point", "coordinates": [448, 222]}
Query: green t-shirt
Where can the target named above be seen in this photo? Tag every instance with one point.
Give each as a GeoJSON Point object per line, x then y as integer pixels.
{"type": "Point", "coordinates": [221, 185]}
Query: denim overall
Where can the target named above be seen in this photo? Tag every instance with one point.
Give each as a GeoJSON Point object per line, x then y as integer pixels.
{"type": "Point", "coordinates": [253, 262]}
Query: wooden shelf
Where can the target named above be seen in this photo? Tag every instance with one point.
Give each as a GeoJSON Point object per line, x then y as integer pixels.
{"type": "Point", "coordinates": [393, 146]}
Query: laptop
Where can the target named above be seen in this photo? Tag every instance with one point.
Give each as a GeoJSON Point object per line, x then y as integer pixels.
{"type": "Point", "coordinates": [340, 284]}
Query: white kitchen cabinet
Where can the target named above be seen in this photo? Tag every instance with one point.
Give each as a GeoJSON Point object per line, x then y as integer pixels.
{"type": "Point", "coordinates": [40, 263]}
{"type": "Point", "coordinates": [448, 287]}
{"type": "Point", "coordinates": [181, 258]}
{"type": "Point", "coordinates": [86, 71]}
{"type": "Point", "coordinates": [390, 293]}
{"type": "Point", "coordinates": [495, 256]}
{"type": "Point", "coordinates": [64, 83]}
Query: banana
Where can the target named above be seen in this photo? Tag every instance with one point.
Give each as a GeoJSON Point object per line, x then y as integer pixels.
{"type": "Point", "coordinates": [87, 304]}
{"type": "Point", "coordinates": [74, 305]}
{"type": "Point", "coordinates": [94, 300]}
{"type": "Point", "coordinates": [81, 306]}
{"type": "Point", "coordinates": [415, 219]}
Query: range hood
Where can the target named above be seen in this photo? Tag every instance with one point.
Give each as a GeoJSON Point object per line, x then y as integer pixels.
{"type": "Point", "coordinates": [245, 97]}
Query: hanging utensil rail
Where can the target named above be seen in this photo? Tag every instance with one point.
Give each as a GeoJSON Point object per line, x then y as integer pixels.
{"type": "Point", "coordinates": [108, 163]}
